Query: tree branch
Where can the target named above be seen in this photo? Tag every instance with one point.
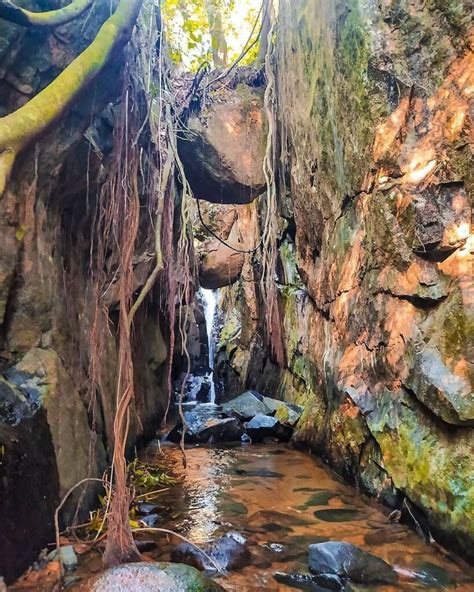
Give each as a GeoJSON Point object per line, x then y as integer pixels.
{"type": "Point", "coordinates": [21, 127]}
{"type": "Point", "coordinates": [52, 18]}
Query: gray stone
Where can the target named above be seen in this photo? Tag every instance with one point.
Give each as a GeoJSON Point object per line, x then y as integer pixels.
{"type": "Point", "coordinates": [247, 405]}
{"type": "Point", "coordinates": [228, 553]}
{"type": "Point", "coordinates": [205, 424]}
{"type": "Point", "coordinates": [285, 412]}
{"type": "Point", "coordinates": [349, 562]}
{"type": "Point", "coordinates": [68, 557]}
{"type": "Point", "coordinates": [266, 426]}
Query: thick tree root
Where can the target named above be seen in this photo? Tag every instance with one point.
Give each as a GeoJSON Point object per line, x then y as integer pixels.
{"type": "Point", "coordinates": [23, 126]}
{"type": "Point", "coordinates": [52, 18]}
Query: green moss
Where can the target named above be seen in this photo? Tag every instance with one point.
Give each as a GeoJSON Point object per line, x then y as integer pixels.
{"type": "Point", "coordinates": [432, 466]}
{"type": "Point", "coordinates": [458, 329]}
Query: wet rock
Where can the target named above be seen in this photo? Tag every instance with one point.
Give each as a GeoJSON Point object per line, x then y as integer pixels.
{"type": "Point", "coordinates": [151, 519]}
{"type": "Point", "coordinates": [191, 555]}
{"type": "Point", "coordinates": [286, 413]}
{"type": "Point", "coordinates": [312, 583]}
{"type": "Point", "coordinates": [150, 577]}
{"type": "Point", "coordinates": [213, 430]}
{"type": "Point", "coordinates": [349, 562]}
{"type": "Point", "coordinates": [146, 545]}
{"type": "Point", "coordinates": [445, 394]}
{"type": "Point", "coordinates": [432, 575]}
{"type": "Point", "coordinates": [247, 405]}
{"type": "Point", "coordinates": [205, 423]}
{"type": "Point", "coordinates": [145, 509]}
{"type": "Point", "coordinates": [219, 144]}
{"type": "Point", "coordinates": [265, 426]}
{"type": "Point", "coordinates": [229, 553]}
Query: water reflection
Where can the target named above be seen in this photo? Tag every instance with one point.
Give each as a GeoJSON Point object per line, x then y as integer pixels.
{"type": "Point", "coordinates": [283, 500]}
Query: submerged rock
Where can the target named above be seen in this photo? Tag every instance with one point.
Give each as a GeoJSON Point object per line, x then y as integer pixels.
{"type": "Point", "coordinates": [349, 562]}
{"type": "Point", "coordinates": [150, 577]}
{"type": "Point", "coordinates": [340, 515]}
{"type": "Point", "coordinates": [312, 583]}
{"type": "Point", "coordinates": [228, 553]}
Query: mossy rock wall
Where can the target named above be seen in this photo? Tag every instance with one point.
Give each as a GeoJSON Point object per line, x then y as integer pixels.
{"type": "Point", "coordinates": [376, 261]}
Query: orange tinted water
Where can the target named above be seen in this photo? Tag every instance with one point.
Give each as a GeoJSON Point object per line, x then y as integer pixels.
{"type": "Point", "coordinates": [281, 497]}
{"type": "Point", "coordinates": [270, 494]}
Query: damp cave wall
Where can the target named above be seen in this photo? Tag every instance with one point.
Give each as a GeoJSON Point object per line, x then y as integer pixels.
{"type": "Point", "coordinates": [375, 273]}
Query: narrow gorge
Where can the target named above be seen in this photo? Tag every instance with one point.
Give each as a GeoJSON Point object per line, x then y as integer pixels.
{"type": "Point", "coordinates": [236, 295]}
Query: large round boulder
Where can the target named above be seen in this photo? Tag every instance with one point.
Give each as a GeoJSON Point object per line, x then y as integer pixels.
{"type": "Point", "coordinates": [224, 148]}
{"type": "Point", "coordinates": [150, 577]}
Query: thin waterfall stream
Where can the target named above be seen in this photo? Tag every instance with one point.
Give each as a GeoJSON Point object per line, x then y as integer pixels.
{"type": "Point", "coordinates": [210, 305]}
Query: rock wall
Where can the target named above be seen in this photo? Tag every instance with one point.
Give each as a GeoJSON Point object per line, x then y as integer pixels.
{"type": "Point", "coordinates": [53, 432]}
{"type": "Point", "coordinates": [376, 255]}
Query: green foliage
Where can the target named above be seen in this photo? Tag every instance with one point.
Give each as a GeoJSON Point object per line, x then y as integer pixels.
{"type": "Point", "coordinates": [145, 478]}
{"type": "Point", "coordinates": [188, 29]}
{"type": "Point", "coordinates": [146, 481]}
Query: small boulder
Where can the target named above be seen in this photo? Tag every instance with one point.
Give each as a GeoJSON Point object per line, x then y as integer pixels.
{"type": "Point", "coordinates": [205, 424]}
{"type": "Point", "coordinates": [68, 557]}
{"type": "Point", "coordinates": [145, 509]}
{"type": "Point", "coordinates": [266, 426]}
{"type": "Point", "coordinates": [247, 405]}
{"type": "Point", "coordinates": [228, 553]}
{"type": "Point", "coordinates": [231, 552]}
{"type": "Point", "coordinates": [287, 413]}
{"type": "Point", "coordinates": [349, 562]}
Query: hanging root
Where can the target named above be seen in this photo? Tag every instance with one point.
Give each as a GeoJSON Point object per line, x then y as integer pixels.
{"type": "Point", "coordinates": [272, 321]}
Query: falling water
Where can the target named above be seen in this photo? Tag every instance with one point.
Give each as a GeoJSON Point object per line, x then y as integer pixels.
{"type": "Point", "coordinates": [210, 303]}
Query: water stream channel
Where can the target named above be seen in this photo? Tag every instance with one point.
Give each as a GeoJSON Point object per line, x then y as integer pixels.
{"type": "Point", "coordinates": [281, 500]}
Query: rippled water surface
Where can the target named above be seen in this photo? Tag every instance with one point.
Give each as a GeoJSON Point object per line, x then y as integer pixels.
{"type": "Point", "coordinates": [283, 500]}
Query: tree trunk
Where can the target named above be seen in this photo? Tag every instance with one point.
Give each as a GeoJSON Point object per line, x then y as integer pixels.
{"type": "Point", "coordinates": [216, 29]}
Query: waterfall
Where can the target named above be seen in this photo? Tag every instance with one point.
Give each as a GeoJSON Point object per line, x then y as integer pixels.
{"type": "Point", "coordinates": [210, 304]}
